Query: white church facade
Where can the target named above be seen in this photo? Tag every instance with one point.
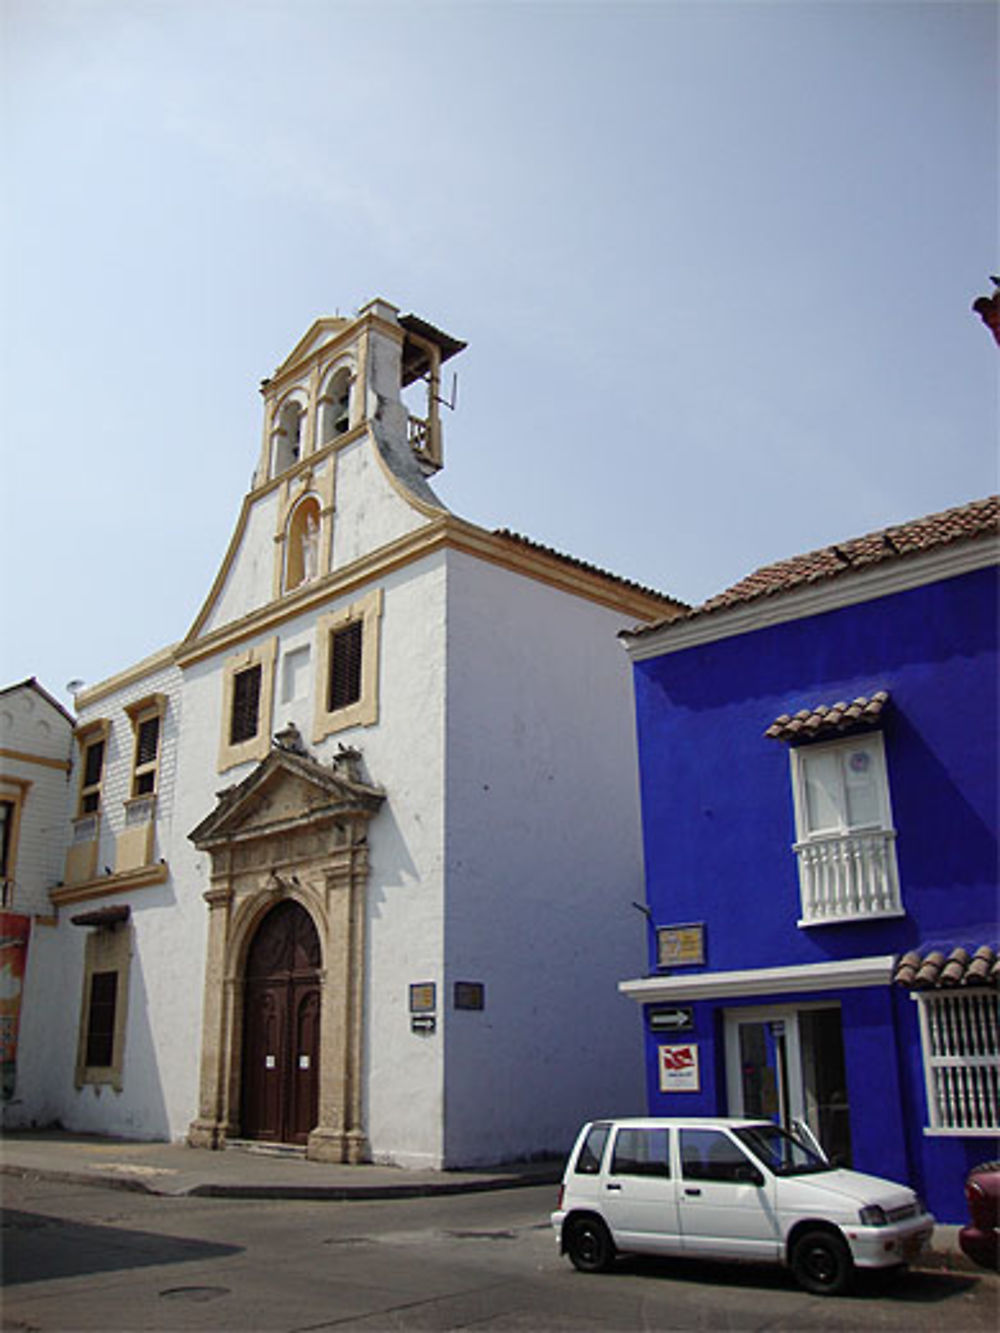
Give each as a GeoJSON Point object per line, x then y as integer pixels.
{"type": "Point", "coordinates": [352, 864]}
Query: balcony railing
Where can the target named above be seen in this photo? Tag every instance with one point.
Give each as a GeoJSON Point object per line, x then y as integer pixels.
{"type": "Point", "coordinates": [848, 877]}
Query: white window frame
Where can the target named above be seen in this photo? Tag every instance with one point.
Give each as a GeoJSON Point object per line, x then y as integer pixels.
{"type": "Point", "coordinates": [849, 872]}
{"type": "Point", "coordinates": [960, 1046]}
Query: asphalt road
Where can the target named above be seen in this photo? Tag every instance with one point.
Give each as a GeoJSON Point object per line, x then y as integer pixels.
{"type": "Point", "coordinates": [77, 1257]}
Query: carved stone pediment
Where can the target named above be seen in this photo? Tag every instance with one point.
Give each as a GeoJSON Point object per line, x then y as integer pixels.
{"type": "Point", "coordinates": [286, 791]}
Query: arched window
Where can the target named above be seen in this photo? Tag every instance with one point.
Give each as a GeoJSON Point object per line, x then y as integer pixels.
{"type": "Point", "coordinates": [335, 406]}
{"type": "Point", "coordinates": [286, 439]}
{"type": "Point", "coordinates": [302, 543]}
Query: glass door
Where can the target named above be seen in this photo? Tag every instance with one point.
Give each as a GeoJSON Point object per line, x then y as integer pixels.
{"type": "Point", "coordinates": [787, 1064]}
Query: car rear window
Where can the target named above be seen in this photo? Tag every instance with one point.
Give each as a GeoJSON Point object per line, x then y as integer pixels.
{"type": "Point", "coordinates": [588, 1159]}
{"type": "Point", "coordinates": [641, 1152]}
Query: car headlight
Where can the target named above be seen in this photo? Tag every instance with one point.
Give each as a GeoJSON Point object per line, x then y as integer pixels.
{"type": "Point", "coordinates": [873, 1216]}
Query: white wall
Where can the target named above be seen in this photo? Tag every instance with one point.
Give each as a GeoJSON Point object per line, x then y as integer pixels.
{"type": "Point", "coordinates": [249, 581]}
{"type": "Point", "coordinates": [30, 725]}
{"type": "Point", "coordinates": [543, 860]}
{"type": "Point", "coordinates": [402, 752]}
{"type": "Point", "coordinates": [370, 513]}
{"type": "Point", "coordinates": [164, 1000]}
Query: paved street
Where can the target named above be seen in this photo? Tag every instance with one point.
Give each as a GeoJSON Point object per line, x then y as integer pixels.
{"type": "Point", "coordinates": [81, 1257]}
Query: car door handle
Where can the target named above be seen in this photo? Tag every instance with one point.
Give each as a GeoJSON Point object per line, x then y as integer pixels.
{"type": "Point", "coordinates": [612, 1187]}
{"type": "Point", "coordinates": [692, 1191]}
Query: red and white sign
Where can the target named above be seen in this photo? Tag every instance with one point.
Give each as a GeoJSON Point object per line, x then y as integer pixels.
{"type": "Point", "coordinates": [679, 1068]}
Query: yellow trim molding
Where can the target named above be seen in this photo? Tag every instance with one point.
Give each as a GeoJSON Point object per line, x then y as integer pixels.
{"type": "Point", "coordinates": [105, 886]}
{"type": "Point", "coordinates": [106, 951]}
{"type": "Point", "coordinates": [364, 712]}
{"type": "Point", "coordinates": [257, 745]}
{"type": "Point", "coordinates": [64, 765]}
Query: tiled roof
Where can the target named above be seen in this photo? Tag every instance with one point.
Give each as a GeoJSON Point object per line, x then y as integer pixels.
{"type": "Point", "coordinates": [932, 969]}
{"type": "Point", "coordinates": [530, 545]}
{"type": "Point", "coordinates": [825, 719]}
{"type": "Point", "coordinates": [976, 520]}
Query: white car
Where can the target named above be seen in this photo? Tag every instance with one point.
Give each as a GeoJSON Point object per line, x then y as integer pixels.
{"type": "Point", "coordinates": [730, 1189]}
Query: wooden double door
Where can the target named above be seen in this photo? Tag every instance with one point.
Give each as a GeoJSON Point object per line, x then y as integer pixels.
{"type": "Point", "coordinates": [281, 1028]}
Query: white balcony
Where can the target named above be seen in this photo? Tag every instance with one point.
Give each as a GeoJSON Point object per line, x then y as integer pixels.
{"type": "Point", "coordinates": [848, 877]}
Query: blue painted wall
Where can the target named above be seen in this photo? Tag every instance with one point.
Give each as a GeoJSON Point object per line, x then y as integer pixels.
{"type": "Point", "coordinates": [719, 825]}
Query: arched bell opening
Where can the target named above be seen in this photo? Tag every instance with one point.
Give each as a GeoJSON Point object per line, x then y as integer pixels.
{"type": "Point", "coordinates": [286, 438]}
{"type": "Point", "coordinates": [335, 406]}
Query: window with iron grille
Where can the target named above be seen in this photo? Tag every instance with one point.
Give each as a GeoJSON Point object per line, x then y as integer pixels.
{"type": "Point", "coordinates": [345, 665]}
{"type": "Point", "coordinates": [90, 781]}
{"type": "Point", "coordinates": [960, 1033]}
{"type": "Point", "coordinates": [246, 705]}
{"type": "Point", "coordinates": [101, 1019]}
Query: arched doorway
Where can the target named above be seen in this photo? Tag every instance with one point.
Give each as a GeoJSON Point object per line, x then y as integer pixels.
{"type": "Point", "coordinates": [281, 1028]}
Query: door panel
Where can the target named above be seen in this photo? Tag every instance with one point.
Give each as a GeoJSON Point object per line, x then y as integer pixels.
{"type": "Point", "coordinates": [640, 1194]}
{"type": "Point", "coordinates": [281, 1044]}
{"type": "Point", "coordinates": [263, 1062]}
{"type": "Point", "coordinates": [721, 1211]}
{"type": "Point", "coordinates": [305, 1059]}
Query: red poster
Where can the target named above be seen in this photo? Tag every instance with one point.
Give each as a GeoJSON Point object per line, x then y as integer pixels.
{"type": "Point", "coordinates": [14, 932]}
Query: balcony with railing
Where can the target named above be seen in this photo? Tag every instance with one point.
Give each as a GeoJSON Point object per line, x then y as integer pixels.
{"type": "Point", "coordinates": [848, 877]}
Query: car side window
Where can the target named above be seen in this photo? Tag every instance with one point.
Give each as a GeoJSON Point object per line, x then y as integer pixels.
{"type": "Point", "coordinates": [641, 1152]}
{"type": "Point", "coordinates": [588, 1159]}
{"type": "Point", "coordinates": [708, 1154]}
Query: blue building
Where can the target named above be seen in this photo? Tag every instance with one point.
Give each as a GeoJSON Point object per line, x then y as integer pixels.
{"type": "Point", "coordinates": [818, 765]}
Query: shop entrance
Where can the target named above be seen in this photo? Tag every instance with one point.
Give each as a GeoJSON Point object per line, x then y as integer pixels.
{"type": "Point", "coordinates": [787, 1064]}
{"type": "Point", "coordinates": [281, 1029]}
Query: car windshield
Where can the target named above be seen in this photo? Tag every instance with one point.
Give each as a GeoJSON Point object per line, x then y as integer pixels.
{"type": "Point", "coordinates": [779, 1152]}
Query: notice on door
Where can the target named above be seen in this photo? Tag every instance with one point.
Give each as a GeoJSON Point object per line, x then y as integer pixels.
{"type": "Point", "coordinates": [679, 1068]}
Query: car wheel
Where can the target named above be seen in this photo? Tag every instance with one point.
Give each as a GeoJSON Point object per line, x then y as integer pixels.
{"type": "Point", "coordinates": [589, 1245]}
{"type": "Point", "coordinates": [822, 1263]}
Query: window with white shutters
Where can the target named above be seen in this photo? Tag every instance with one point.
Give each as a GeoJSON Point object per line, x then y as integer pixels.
{"type": "Point", "coordinates": [845, 839]}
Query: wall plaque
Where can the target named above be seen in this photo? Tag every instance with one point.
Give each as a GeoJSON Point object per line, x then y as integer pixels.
{"type": "Point", "coordinates": [470, 995]}
{"type": "Point", "coordinates": [680, 946]}
{"type": "Point", "coordinates": [423, 997]}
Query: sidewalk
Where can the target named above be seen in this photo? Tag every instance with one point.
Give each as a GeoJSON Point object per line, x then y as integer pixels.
{"type": "Point", "coordinates": [246, 1172]}
{"type": "Point", "coordinates": [242, 1171]}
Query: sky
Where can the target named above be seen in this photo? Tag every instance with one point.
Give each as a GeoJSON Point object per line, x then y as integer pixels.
{"type": "Point", "coordinates": [714, 262]}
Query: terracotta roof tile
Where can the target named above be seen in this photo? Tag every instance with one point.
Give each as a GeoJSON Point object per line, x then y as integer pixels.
{"type": "Point", "coordinates": [528, 544]}
{"type": "Point", "coordinates": [825, 719]}
{"type": "Point", "coordinates": [976, 520]}
{"type": "Point", "coordinates": [932, 969]}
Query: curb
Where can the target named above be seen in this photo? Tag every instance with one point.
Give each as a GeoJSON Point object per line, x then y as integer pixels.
{"type": "Point", "coordinates": [336, 1193]}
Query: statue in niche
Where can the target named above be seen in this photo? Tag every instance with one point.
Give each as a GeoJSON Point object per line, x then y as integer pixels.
{"type": "Point", "coordinates": [310, 548]}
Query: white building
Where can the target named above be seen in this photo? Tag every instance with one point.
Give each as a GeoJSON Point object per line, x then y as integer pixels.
{"type": "Point", "coordinates": [36, 737]}
{"type": "Point", "coordinates": [352, 864]}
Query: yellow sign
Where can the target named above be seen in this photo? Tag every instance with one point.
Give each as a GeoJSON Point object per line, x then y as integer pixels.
{"type": "Point", "coordinates": [680, 946]}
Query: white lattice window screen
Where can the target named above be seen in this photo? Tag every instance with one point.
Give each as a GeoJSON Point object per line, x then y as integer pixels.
{"type": "Point", "coordinates": [960, 1032]}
